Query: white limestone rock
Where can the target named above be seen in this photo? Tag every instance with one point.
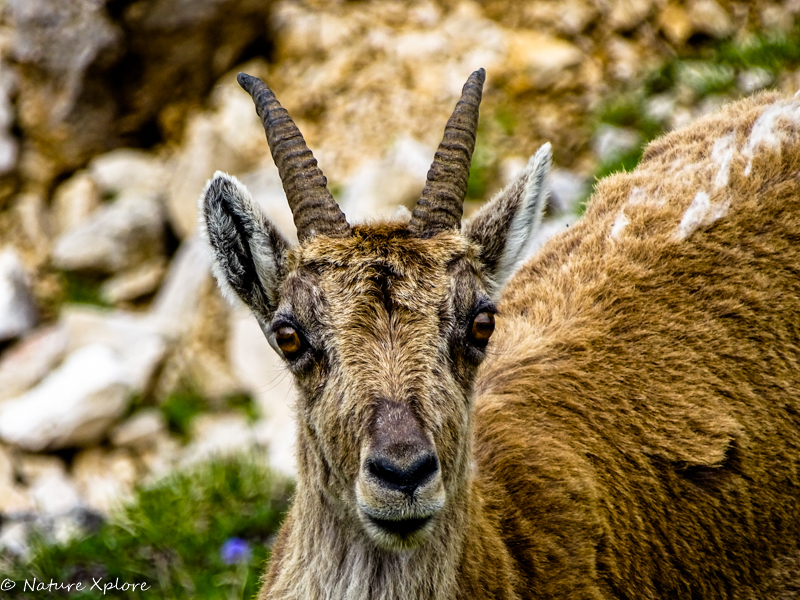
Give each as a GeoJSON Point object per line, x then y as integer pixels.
{"type": "Point", "coordinates": [567, 189]}
{"type": "Point", "coordinates": [6, 468]}
{"type": "Point", "coordinates": [611, 142]}
{"type": "Point", "coordinates": [136, 339]}
{"type": "Point", "coordinates": [376, 189]}
{"type": "Point", "coordinates": [160, 457]}
{"type": "Point", "coordinates": [264, 375]}
{"type": "Point", "coordinates": [28, 361]}
{"type": "Point", "coordinates": [14, 539]}
{"type": "Point", "coordinates": [229, 138]}
{"type": "Point", "coordinates": [18, 313]}
{"type": "Point", "coordinates": [105, 480]}
{"type": "Point", "coordinates": [177, 299]}
{"type": "Point", "coordinates": [73, 406]}
{"type": "Point", "coordinates": [126, 169]}
{"type": "Point", "coordinates": [55, 494]}
{"type": "Point", "coordinates": [117, 236]}
{"type": "Point", "coordinates": [218, 435]}
{"type": "Point", "coordinates": [16, 501]}
{"type": "Point", "coordinates": [139, 431]}
{"type": "Point", "coordinates": [132, 284]}
{"type": "Point", "coordinates": [74, 201]}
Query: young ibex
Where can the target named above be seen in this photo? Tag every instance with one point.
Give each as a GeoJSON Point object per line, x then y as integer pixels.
{"type": "Point", "coordinates": [631, 431]}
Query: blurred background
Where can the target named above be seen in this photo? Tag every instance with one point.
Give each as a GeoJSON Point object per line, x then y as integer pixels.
{"type": "Point", "coordinates": [145, 425]}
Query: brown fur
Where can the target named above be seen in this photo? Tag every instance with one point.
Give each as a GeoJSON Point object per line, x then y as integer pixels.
{"type": "Point", "coordinates": [634, 429]}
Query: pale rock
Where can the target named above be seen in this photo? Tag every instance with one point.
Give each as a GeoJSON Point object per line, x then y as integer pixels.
{"type": "Point", "coordinates": [160, 458]}
{"type": "Point", "coordinates": [425, 14]}
{"type": "Point", "coordinates": [776, 18]}
{"type": "Point", "coordinates": [210, 373]}
{"type": "Point", "coordinates": [14, 539]}
{"type": "Point", "coordinates": [279, 439]}
{"type": "Point", "coordinates": [117, 236]}
{"type": "Point", "coordinates": [264, 184]}
{"type": "Point", "coordinates": [627, 14]}
{"type": "Point", "coordinates": [140, 430]}
{"type": "Point", "coordinates": [680, 118]}
{"type": "Point", "coordinates": [660, 107]}
{"type": "Point", "coordinates": [230, 139]}
{"type": "Point", "coordinates": [54, 494]}
{"type": "Point", "coordinates": [58, 43]}
{"type": "Point", "coordinates": [216, 435]}
{"type": "Point", "coordinates": [301, 32]}
{"type": "Point", "coordinates": [380, 186]}
{"type": "Point", "coordinates": [18, 313]}
{"type": "Point", "coordinates": [66, 527]}
{"type": "Point", "coordinates": [611, 142]}
{"type": "Point", "coordinates": [105, 480]}
{"type": "Point", "coordinates": [7, 476]}
{"type": "Point", "coordinates": [263, 373]}
{"type": "Point", "coordinates": [568, 17]}
{"type": "Point", "coordinates": [137, 340]}
{"type": "Point", "coordinates": [134, 283]}
{"type": "Point", "coordinates": [16, 501]}
{"type": "Point", "coordinates": [754, 80]}
{"type": "Point", "coordinates": [675, 23]}
{"type": "Point", "coordinates": [73, 406]}
{"type": "Point", "coordinates": [126, 169]}
{"type": "Point", "coordinates": [510, 168]}
{"type": "Point", "coordinates": [420, 45]}
{"type": "Point", "coordinates": [9, 145]}
{"type": "Point", "coordinates": [624, 57]}
{"type": "Point", "coordinates": [541, 57]}
{"type": "Point", "coordinates": [708, 105]}
{"type": "Point", "coordinates": [27, 362]}
{"type": "Point", "coordinates": [567, 189]}
{"type": "Point", "coordinates": [707, 16]}
{"type": "Point", "coordinates": [35, 223]}
{"type": "Point", "coordinates": [73, 201]}
{"type": "Point", "coordinates": [35, 466]}
{"type": "Point", "coordinates": [178, 298]}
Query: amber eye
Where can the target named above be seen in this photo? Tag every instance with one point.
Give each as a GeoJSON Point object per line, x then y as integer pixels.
{"type": "Point", "coordinates": [482, 328]}
{"type": "Point", "coordinates": [288, 341]}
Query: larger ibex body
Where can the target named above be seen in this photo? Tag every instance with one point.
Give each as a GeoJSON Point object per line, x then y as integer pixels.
{"type": "Point", "coordinates": [632, 430]}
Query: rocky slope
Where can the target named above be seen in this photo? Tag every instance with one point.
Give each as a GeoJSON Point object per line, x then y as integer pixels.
{"type": "Point", "coordinates": [119, 361]}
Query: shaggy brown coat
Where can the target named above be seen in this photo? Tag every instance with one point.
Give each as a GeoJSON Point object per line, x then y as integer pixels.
{"type": "Point", "coordinates": [634, 429]}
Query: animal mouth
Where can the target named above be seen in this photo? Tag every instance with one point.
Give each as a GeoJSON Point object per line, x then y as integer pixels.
{"type": "Point", "coordinates": [401, 527]}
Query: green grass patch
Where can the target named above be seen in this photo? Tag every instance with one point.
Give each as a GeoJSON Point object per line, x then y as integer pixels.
{"type": "Point", "coordinates": [82, 288]}
{"type": "Point", "coordinates": [245, 403]}
{"type": "Point", "coordinates": [180, 408]}
{"type": "Point", "coordinates": [199, 534]}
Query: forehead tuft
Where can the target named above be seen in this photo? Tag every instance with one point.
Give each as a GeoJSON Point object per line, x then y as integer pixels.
{"type": "Point", "coordinates": [390, 245]}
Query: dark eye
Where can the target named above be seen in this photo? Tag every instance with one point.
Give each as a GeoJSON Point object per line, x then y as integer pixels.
{"type": "Point", "coordinates": [482, 328]}
{"type": "Point", "coordinates": [289, 341]}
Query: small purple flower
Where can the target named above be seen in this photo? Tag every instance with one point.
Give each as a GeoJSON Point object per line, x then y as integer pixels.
{"type": "Point", "coordinates": [235, 550]}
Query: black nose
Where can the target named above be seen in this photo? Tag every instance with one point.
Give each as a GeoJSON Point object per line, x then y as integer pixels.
{"type": "Point", "coordinates": [405, 479]}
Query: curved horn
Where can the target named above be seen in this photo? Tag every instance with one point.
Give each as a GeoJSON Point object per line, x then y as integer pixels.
{"type": "Point", "coordinates": [442, 201]}
{"type": "Point", "coordinates": [314, 209]}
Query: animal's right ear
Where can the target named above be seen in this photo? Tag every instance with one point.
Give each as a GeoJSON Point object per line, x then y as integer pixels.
{"type": "Point", "coordinates": [249, 254]}
{"type": "Point", "coordinates": [505, 226]}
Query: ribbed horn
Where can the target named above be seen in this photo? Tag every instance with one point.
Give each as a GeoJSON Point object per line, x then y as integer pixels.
{"type": "Point", "coordinates": [442, 201]}
{"type": "Point", "coordinates": [314, 209]}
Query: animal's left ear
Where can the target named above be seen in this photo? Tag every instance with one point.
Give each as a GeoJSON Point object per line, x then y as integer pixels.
{"type": "Point", "coordinates": [505, 226]}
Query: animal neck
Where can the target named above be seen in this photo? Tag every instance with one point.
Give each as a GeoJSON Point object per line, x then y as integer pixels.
{"type": "Point", "coordinates": [326, 554]}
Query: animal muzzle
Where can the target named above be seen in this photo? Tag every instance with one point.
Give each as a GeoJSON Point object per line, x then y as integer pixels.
{"type": "Point", "coordinates": [400, 487]}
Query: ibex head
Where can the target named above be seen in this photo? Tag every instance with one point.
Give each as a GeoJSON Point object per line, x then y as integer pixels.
{"type": "Point", "coordinates": [383, 325]}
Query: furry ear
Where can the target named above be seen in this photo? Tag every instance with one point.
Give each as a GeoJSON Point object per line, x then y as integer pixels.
{"type": "Point", "coordinates": [505, 226]}
{"type": "Point", "coordinates": [249, 254]}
